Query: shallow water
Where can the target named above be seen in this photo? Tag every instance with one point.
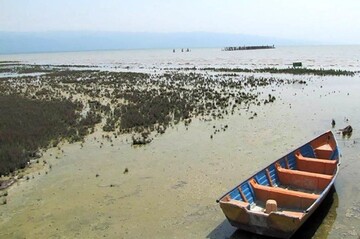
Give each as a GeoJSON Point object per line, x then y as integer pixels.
{"type": "Point", "coordinates": [333, 57]}
{"type": "Point", "coordinates": [172, 183]}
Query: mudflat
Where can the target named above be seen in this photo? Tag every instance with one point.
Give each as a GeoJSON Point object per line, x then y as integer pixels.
{"type": "Point", "coordinates": [106, 187]}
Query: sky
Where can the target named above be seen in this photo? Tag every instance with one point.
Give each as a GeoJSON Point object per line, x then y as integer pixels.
{"type": "Point", "coordinates": [327, 21]}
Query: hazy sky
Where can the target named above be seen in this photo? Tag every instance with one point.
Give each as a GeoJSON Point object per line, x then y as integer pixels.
{"type": "Point", "coordinates": [332, 21]}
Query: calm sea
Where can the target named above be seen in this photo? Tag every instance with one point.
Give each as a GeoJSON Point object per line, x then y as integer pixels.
{"type": "Point", "coordinates": [339, 57]}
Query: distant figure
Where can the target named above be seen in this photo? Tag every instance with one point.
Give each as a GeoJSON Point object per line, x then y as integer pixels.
{"type": "Point", "coordinates": [173, 50]}
{"type": "Point", "coordinates": [187, 50]}
{"type": "Point", "coordinates": [182, 50]}
{"type": "Point", "coordinates": [333, 123]}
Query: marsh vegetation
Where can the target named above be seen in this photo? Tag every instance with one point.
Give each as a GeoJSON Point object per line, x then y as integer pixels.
{"type": "Point", "coordinates": [26, 125]}
{"type": "Point", "coordinates": [40, 111]}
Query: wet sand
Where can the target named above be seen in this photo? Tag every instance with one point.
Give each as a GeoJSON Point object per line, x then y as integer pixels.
{"type": "Point", "coordinates": [172, 183]}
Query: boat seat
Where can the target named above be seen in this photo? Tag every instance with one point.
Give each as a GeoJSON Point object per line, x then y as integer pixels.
{"type": "Point", "coordinates": [283, 197]}
{"type": "Point", "coordinates": [303, 179]}
{"type": "Point", "coordinates": [315, 165]}
{"type": "Point", "coordinates": [323, 151]}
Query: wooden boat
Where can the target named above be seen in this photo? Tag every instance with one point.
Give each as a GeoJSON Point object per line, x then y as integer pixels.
{"type": "Point", "coordinates": [278, 199]}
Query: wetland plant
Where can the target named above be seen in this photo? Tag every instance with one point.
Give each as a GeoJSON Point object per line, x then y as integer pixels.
{"type": "Point", "coordinates": [39, 112]}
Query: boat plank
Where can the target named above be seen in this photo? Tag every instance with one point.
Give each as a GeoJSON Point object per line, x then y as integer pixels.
{"type": "Point", "coordinates": [303, 179]}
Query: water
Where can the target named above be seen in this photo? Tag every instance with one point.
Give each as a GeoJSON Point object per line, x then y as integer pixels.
{"type": "Point", "coordinates": [172, 184]}
{"type": "Point", "coordinates": [339, 57]}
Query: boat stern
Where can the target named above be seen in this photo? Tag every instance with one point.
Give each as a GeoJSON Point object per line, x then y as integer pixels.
{"type": "Point", "coordinates": [280, 224]}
